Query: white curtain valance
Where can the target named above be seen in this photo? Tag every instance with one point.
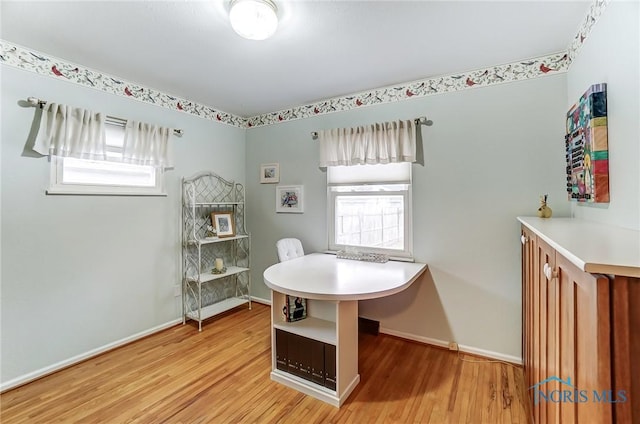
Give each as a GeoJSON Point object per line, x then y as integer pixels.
{"type": "Point", "coordinates": [71, 132]}
{"type": "Point", "coordinates": [147, 144]}
{"type": "Point", "coordinates": [379, 143]}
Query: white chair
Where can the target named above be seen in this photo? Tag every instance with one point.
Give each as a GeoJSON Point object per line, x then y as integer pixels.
{"type": "Point", "coordinates": [289, 248]}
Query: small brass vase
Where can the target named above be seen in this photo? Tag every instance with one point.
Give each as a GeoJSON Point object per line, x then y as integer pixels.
{"type": "Point", "coordinates": [544, 211]}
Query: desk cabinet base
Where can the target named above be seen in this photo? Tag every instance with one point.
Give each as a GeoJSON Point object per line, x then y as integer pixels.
{"type": "Point", "coordinates": [321, 393]}
{"type": "Point", "coordinates": [330, 324]}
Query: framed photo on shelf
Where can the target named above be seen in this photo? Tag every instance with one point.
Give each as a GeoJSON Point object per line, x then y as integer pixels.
{"type": "Point", "coordinates": [223, 223]}
{"type": "Point", "coordinates": [269, 173]}
{"type": "Point", "coordinates": [295, 308]}
{"type": "Point", "coordinates": [289, 199]}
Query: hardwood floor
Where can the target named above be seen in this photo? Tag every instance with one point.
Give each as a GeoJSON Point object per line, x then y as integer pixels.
{"type": "Point", "coordinates": [221, 375]}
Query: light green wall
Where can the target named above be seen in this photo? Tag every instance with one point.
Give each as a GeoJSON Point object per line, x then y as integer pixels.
{"type": "Point", "coordinates": [81, 272]}
{"type": "Point", "coordinates": [611, 54]}
{"type": "Point", "coordinates": [489, 155]}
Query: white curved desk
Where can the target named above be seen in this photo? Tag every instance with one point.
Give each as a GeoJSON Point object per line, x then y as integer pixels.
{"type": "Point", "coordinates": [332, 288]}
{"type": "Point", "coordinates": [325, 277]}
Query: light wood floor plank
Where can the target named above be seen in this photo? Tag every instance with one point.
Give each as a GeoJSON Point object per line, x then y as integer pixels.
{"type": "Point", "coordinates": [221, 375]}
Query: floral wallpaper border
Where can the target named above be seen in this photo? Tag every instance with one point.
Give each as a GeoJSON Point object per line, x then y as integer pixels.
{"type": "Point", "coordinates": [518, 71]}
{"type": "Point", "coordinates": [595, 12]}
{"type": "Point", "coordinates": [23, 58]}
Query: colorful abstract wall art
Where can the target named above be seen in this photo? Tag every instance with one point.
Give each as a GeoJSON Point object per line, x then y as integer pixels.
{"type": "Point", "coordinates": [587, 150]}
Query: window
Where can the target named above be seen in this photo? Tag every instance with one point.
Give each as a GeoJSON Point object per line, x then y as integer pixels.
{"type": "Point", "coordinates": [111, 176]}
{"type": "Point", "coordinates": [370, 208]}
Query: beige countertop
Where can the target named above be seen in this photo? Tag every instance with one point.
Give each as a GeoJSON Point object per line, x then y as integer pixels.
{"type": "Point", "coordinates": [593, 247]}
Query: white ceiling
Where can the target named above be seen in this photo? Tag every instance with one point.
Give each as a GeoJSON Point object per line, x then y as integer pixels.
{"type": "Point", "coordinates": [322, 49]}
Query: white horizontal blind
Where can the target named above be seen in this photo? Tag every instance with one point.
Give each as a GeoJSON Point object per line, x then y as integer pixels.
{"type": "Point", "coordinates": [368, 174]}
{"type": "Point", "coordinates": [114, 140]}
{"type": "Point", "coordinates": [79, 171]}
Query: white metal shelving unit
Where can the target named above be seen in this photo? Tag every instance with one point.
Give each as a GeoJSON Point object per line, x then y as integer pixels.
{"type": "Point", "coordinates": [205, 294]}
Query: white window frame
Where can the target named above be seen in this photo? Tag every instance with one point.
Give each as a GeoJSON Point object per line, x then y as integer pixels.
{"type": "Point", "coordinates": [115, 134]}
{"type": "Point", "coordinates": [333, 191]}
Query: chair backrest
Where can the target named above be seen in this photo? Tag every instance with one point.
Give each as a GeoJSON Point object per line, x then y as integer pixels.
{"type": "Point", "coordinates": [289, 248]}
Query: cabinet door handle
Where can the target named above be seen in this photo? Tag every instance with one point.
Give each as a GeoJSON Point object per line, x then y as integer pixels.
{"type": "Point", "coordinates": [524, 239]}
{"type": "Point", "coordinates": [549, 272]}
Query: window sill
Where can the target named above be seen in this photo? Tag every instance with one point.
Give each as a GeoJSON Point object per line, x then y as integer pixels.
{"type": "Point", "coordinates": [106, 192]}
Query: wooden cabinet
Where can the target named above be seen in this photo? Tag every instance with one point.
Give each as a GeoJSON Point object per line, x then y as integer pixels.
{"type": "Point", "coordinates": [548, 295]}
{"type": "Point", "coordinates": [581, 337]}
{"type": "Point", "coordinates": [584, 348]}
{"type": "Point", "coordinates": [625, 305]}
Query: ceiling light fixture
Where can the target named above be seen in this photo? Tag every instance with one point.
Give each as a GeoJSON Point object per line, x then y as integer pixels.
{"type": "Point", "coordinates": [253, 19]}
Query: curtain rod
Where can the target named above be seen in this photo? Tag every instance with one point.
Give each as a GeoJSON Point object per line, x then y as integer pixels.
{"type": "Point", "coordinates": [418, 121]}
{"type": "Point", "coordinates": [34, 101]}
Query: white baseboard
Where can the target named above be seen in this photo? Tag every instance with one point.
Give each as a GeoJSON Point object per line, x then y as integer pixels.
{"type": "Point", "coordinates": [259, 300]}
{"type": "Point", "coordinates": [79, 358]}
{"type": "Point", "coordinates": [24, 379]}
{"type": "Point", "coordinates": [462, 348]}
{"type": "Point", "coordinates": [18, 381]}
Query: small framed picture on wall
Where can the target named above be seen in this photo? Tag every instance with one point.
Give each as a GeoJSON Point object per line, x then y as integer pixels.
{"type": "Point", "coordinates": [289, 199]}
{"type": "Point", "coordinates": [269, 173]}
